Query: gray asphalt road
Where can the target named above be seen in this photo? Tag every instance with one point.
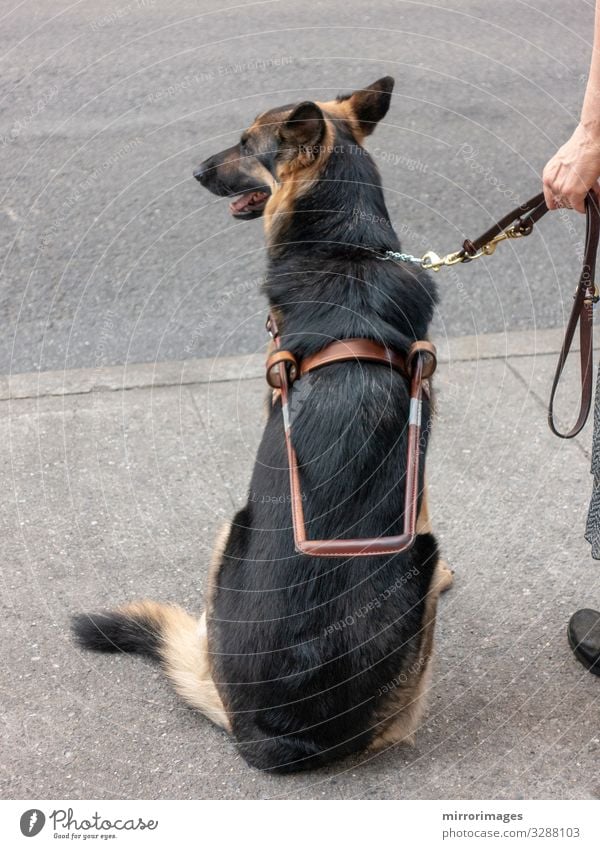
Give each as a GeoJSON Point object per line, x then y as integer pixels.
{"type": "Point", "coordinates": [110, 250]}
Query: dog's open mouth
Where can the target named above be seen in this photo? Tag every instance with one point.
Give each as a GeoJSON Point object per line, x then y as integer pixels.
{"type": "Point", "coordinates": [250, 204]}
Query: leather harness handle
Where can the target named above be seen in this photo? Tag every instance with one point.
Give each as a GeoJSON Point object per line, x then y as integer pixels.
{"type": "Point", "coordinates": [419, 364]}
{"type": "Point", "coordinates": [367, 546]}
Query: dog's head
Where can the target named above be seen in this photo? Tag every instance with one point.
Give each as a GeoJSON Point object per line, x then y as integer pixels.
{"type": "Point", "coordinates": [284, 150]}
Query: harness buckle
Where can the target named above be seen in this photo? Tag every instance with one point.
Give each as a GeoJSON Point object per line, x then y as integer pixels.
{"type": "Point", "coordinates": [426, 353]}
{"type": "Point", "coordinates": [276, 360]}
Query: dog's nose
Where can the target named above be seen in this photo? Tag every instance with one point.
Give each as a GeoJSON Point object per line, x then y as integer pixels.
{"type": "Point", "coordinates": [201, 172]}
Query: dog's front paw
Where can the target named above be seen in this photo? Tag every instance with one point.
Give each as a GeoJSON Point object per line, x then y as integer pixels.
{"type": "Point", "coordinates": [444, 577]}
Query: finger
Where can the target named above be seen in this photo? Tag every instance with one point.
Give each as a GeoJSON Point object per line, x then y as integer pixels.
{"type": "Point", "coordinates": [578, 203]}
{"type": "Point", "coordinates": [549, 197]}
{"type": "Point", "coordinates": [575, 199]}
{"type": "Point", "coordinates": [549, 185]}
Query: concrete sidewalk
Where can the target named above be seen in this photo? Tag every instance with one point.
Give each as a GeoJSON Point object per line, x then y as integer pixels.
{"type": "Point", "coordinates": [115, 481]}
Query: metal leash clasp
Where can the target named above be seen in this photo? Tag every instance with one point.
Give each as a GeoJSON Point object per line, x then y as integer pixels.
{"type": "Point", "coordinates": [430, 261]}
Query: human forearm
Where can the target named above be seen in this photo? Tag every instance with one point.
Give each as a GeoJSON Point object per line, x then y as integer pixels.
{"type": "Point", "coordinates": [575, 167]}
{"type": "Point", "coordinates": [590, 111]}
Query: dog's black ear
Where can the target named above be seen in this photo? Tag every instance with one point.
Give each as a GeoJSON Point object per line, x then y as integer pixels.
{"type": "Point", "coordinates": [370, 104]}
{"type": "Point", "coordinates": [305, 126]}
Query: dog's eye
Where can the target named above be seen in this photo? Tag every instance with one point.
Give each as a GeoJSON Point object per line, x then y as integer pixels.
{"type": "Point", "coordinates": [244, 143]}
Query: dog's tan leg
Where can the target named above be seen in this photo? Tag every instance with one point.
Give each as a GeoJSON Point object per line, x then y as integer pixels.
{"type": "Point", "coordinates": [405, 705]}
{"type": "Point", "coordinates": [424, 519]}
{"type": "Point", "coordinates": [443, 572]}
{"type": "Point", "coordinates": [215, 561]}
{"type": "Point", "coordinates": [444, 577]}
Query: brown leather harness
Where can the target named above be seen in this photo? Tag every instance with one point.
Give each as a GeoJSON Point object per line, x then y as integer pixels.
{"type": "Point", "coordinates": [283, 369]}
{"type": "Point", "coordinates": [418, 365]}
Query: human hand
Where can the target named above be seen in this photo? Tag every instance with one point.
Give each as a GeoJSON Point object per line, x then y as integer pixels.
{"type": "Point", "coordinates": [573, 171]}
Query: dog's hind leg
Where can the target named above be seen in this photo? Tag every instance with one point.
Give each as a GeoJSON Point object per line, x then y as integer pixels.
{"type": "Point", "coordinates": [423, 518]}
{"type": "Point", "coordinates": [403, 710]}
{"type": "Point", "coordinates": [424, 527]}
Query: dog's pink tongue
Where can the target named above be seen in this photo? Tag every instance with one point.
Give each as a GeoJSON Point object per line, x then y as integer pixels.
{"type": "Point", "coordinates": [247, 202]}
{"type": "Point", "coordinates": [240, 203]}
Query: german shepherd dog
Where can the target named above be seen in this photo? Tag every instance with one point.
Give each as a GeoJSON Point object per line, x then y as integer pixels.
{"type": "Point", "coordinates": [308, 659]}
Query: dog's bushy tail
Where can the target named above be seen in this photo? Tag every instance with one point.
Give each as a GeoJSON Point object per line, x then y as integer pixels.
{"type": "Point", "coordinates": [136, 628]}
{"type": "Point", "coordinates": [165, 633]}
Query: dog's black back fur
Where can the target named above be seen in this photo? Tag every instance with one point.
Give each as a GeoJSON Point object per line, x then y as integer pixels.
{"type": "Point", "coordinates": [304, 647]}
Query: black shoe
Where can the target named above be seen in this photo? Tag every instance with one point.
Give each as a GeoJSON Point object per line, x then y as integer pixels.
{"type": "Point", "coordinates": [584, 637]}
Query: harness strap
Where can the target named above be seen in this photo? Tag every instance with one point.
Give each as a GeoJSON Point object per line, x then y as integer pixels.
{"type": "Point", "coordinates": [341, 351]}
{"type": "Point", "coordinates": [353, 349]}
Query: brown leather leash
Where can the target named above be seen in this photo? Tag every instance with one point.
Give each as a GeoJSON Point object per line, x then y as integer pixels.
{"type": "Point", "coordinates": [516, 224]}
{"type": "Point", "coordinates": [582, 313]}
{"type": "Point", "coordinates": [586, 295]}
{"type": "Point", "coordinates": [419, 364]}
